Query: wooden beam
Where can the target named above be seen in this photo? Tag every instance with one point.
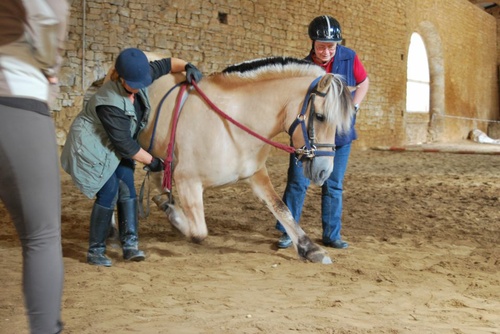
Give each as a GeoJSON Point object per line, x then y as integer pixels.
{"type": "Point", "coordinates": [479, 2]}
{"type": "Point", "coordinates": [489, 7]}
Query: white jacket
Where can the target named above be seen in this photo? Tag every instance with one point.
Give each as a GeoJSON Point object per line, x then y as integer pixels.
{"type": "Point", "coordinates": [26, 63]}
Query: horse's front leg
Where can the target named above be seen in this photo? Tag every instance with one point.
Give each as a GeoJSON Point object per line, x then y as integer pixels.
{"type": "Point", "coordinates": [263, 188]}
{"type": "Point", "coordinates": [188, 216]}
{"type": "Point", "coordinates": [190, 193]}
{"type": "Point", "coordinates": [175, 215]}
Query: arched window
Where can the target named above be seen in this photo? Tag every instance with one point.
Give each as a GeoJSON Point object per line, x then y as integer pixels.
{"type": "Point", "coordinates": [417, 86]}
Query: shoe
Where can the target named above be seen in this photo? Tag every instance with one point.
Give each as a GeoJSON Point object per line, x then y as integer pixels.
{"type": "Point", "coordinates": [284, 241]}
{"type": "Point", "coordinates": [340, 244]}
{"type": "Point", "coordinates": [98, 259]}
{"type": "Point", "coordinates": [133, 255]}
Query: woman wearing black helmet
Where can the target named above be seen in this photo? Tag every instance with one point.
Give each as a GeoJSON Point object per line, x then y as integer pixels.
{"type": "Point", "coordinates": [101, 148]}
{"type": "Point", "coordinates": [326, 34]}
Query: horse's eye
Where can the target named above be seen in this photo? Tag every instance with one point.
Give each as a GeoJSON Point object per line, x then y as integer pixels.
{"type": "Point", "coordinates": [320, 117]}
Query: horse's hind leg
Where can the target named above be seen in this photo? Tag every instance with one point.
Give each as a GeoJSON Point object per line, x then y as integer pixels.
{"type": "Point", "coordinates": [263, 188]}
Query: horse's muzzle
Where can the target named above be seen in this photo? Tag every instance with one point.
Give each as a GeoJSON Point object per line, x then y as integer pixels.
{"type": "Point", "coordinates": [318, 169]}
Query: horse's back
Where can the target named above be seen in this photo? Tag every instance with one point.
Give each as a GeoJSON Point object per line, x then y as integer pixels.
{"type": "Point", "coordinates": [155, 55]}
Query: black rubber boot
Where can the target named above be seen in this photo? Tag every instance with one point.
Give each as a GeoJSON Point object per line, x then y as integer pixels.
{"type": "Point", "coordinates": [100, 221]}
{"type": "Point", "coordinates": [127, 225]}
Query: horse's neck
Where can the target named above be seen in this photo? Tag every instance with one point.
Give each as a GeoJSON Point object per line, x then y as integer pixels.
{"type": "Point", "coordinates": [259, 109]}
{"type": "Point", "coordinates": [271, 104]}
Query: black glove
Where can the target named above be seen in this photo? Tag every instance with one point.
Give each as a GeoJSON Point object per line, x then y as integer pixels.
{"type": "Point", "coordinates": [192, 73]}
{"type": "Point", "coordinates": [155, 166]}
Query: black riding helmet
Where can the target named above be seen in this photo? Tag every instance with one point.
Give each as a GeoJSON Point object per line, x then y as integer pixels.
{"type": "Point", "coordinates": [325, 29]}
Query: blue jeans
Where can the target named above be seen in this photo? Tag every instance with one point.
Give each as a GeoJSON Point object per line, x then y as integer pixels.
{"type": "Point", "coordinates": [120, 185]}
{"type": "Point", "coordinates": [331, 193]}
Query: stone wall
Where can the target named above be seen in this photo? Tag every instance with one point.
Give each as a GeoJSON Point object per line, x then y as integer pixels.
{"type": "Point", "coordinates": [215, 33]}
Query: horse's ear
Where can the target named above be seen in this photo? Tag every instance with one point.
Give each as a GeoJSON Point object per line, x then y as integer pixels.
{"type": "Point", "coordinates": [324, 83]}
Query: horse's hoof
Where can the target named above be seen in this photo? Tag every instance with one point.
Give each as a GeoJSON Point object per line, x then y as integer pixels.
{"type": "Point", "coordinates": [312, 252]}
{"type": "Point", "coordinates": [162, 205]}
{"type": "Point", "coordinates": [197, 239]}
{"type": "Point", "coordinates": [319, 257]}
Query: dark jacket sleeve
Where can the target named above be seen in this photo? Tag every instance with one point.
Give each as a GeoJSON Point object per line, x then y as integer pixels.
{"type": "Point", "coordinates": [160, 67]}
{"type": "Point", "coordinates": [117, 126]}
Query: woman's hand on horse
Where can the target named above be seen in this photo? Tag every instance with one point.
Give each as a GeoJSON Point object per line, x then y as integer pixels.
{"type": "Point", "coordinates": [156, 165]}
{"type": "Point", "coordinates": [192, 73]}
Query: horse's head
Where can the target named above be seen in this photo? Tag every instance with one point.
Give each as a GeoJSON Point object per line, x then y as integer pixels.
{"type": "Point", "coordinates": [327, 108]}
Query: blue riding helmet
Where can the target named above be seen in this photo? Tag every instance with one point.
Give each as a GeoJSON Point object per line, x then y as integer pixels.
{"type": "Point", "coordinates": [133, 66]}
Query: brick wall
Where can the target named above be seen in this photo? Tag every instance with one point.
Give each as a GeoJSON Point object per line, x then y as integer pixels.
{"type": "Point", "coordinates": [215, 33]}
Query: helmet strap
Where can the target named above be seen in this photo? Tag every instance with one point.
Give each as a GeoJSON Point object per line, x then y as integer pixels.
{"type": "Point", "coordinates": [312, 48]}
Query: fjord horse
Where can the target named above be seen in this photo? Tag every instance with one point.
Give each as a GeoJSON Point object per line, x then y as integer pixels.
{"type": "Point", "coordinates": [266, 95]}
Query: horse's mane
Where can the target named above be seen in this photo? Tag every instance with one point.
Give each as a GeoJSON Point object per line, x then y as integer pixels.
{"type": "Point", "coordinates": [336, 102]}
{"type": "Point", "coordinates": [338, 99]}
{"type": "Point", "coordinates": [268, 68]}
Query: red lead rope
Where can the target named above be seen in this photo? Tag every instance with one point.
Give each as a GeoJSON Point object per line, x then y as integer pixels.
{"type": "Point", "coordinates": [167, 176]}
{"type": "Point", "coordinates": [281, 146]}
{"type": "Point", "coordinates": [167, 179]}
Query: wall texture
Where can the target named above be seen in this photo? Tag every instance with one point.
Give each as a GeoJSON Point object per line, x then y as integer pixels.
{"type": "Point", "coordinates": [461, 40]}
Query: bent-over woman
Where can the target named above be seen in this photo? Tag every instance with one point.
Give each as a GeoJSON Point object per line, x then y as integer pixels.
{"type": "Point", "coordinates": [102, 148]}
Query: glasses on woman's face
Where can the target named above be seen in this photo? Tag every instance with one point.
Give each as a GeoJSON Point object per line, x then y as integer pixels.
{"type": "Point", "coordinates": [322, 48]}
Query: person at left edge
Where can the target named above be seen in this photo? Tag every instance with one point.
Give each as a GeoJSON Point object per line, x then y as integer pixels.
{"type": "Point", "coordinates": [32, 37]}
{"type": "Point", "coordinates": [101, 148]}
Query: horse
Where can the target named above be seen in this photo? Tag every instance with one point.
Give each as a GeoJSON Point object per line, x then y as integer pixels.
{"type": "Point", "coordinates": [266, 95]}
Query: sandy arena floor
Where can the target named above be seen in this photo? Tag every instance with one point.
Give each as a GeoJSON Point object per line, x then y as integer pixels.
{"type": "Point", "coordinates": [423, 228]}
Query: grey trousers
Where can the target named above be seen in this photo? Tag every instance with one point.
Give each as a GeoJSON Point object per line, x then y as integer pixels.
{"type": "Point", "coordinates": [30, 188]}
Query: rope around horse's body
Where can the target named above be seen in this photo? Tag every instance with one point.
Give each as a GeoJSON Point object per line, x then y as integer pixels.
{"type": "Point", "coordinates": [167, 178]}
